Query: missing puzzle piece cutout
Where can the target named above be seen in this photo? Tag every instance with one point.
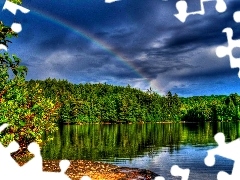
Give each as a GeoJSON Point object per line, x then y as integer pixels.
{"type": "Point", "coordinates": [222, 51]}
{"type": "Point", "coordinates": [7, 164]}
{"type": "Point", "coordinates": [236, 16]}
{"type": "Point", "coordinates": [14, 7]}
{"type": "Point", "coordinates": [35, 167]}
{"type": "Point", "coordinates": [227, 150]}
{"type": "Point", "coordinates": [177, 171]}
{"type": "Point", "coordinates": [3, 47]}
{"type": "Point", "coordinates": [85, 178]}
{"type": "Point", "coordinates": [111, 1]}
{"type": "Point", "coordinates": [9, 168]}
{"type": "Point", "coordinates": [16, 27]}
{"type": "Point", "coordinates": [182, 6]}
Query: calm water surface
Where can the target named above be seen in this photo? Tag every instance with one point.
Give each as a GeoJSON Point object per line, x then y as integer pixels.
{"type": "Point", "coordinates": [149, 146]}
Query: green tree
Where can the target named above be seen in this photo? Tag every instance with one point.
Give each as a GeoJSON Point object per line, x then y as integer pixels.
{"type": "Point", "coordinates": [28, 114]}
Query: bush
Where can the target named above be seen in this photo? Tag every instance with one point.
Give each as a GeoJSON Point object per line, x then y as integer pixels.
{"type": "Point", "coordinates": [27, 112]}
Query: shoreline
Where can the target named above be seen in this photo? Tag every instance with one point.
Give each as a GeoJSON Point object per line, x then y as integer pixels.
{"type": "Point", "coordinates": [97, 170]}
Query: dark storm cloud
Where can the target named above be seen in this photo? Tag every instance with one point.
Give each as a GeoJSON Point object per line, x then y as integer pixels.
{"type": "Point", "coordinates": [220, 72]}
{"type": "Point", "coordinates": [53, 42]}
{"type": "Point", "coordinates": [154, 67]}
{"type": "Point", "coordinates": [169, 53]}
{"type": "Point", "coordinates": [199, 34]}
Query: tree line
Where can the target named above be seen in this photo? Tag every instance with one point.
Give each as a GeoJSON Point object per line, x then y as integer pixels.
{"type": "Point", "coordinates": [103, 103]}
{"type": "Point", "coordinates": [34, 108]}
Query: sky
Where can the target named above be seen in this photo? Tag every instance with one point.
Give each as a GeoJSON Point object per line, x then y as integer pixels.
{"type": "Point", "coordinates": [135, 42]}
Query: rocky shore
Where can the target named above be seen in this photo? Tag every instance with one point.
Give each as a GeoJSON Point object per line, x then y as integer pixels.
{"type": "Point", "coordinates": [95, 170]}
{"type": "Point", "coordinates": [99, 170]}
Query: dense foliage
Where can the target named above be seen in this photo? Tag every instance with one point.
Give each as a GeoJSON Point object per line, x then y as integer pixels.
{"type": "Point", "coordinates": [34, 108]}
{"type": "Point", "coordinates": [107, 103]}
{"type": "Point", "coordinates": [29, 115]}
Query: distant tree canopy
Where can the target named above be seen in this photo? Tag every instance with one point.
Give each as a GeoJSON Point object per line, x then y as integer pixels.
{"type": "Point", "coordinates": [33, 108]}
{"type": "Point", "coordinates": [107, 103]}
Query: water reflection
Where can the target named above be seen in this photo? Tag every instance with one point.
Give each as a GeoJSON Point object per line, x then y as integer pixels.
{"type": "Point", "coordinates": [151, 146]}
{"type": "Point", "coordinates": [95, 142]}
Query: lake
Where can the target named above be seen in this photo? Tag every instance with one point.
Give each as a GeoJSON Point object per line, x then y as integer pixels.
{"type": "Point", "coordinates": [153, 146]}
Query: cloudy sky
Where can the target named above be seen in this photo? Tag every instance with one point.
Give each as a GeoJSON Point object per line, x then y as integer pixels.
{"type": "Point", "coordinates": [136, 42]}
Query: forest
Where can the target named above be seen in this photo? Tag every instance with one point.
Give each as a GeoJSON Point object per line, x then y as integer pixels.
{"type": "Point", "coordinates": [36, 107]}
{"type": "Point", "coordinates": [103, 103]}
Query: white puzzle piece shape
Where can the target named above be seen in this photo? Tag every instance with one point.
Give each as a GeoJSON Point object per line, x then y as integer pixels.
{"type": "Point", "coordinates": [227, 150]}
{"type": "Point", "coordinates": [16, 27]}
{"type": "Point", "coordinates": [222, 51]}
{"type": "Point", "coordinates": [111, 1]}
{"type": "Point", "coordinates": [182, 7]}
{"type": "Point", "coordinates": [14, 7]}
{"type": "Point", "coordinates": [177, 171]}
{"type": "Point", "coordinates": [9, 168]}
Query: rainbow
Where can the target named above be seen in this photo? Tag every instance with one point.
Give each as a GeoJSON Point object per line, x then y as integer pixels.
{"type": "Point", "coordinates": [83, 33]}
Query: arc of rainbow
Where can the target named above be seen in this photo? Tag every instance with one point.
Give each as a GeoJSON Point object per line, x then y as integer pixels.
{"type": "Point", "coordinates": [97, 41]}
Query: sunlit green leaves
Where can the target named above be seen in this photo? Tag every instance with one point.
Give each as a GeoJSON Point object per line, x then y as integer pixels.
{"type": "Point", "coordinates": [5, 33]}
{"type": "Point", "coordinates": [16, 1]}
{"type": "Point", "coordinates": [27, 112]}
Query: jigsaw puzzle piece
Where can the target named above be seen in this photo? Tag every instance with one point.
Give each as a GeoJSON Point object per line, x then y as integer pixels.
{"type": "Point", "coordinates": [5, 125]}
{"type": "Point", "coordinates": [16, 27]}
{"type": "Point", "coordinates": [234, 176]}
{"type": "Point", "coordinates": [227, 150]}
{"type": "Point", "coordinates": [111, 1]}
{"type": "Point", "coordinates": [85, 178]}
{"type": "Point", "coordinates": [222, 51]}
{"type": "Point", "coordinates": [64, 164]}
{"type": "Point", "coordinates": [177, 171]}
{"type": "Point", "coordinates": [159, 178]}
{"type": "Point", "coordinates": [9, 168]}
{"type": "Point", "coordinates": [53, 175]}
{"type": "Point", "coordinates": [182, 15]}
{"type": "Point", "coordinates": [14, 7]}
{"type": "Point", "coordinates": [7, 162]}
{"type": "Point", "coordinates": [35, 164]}
{"type": "Point", "coordinates": [3, 47]}
{"type": "Point", "coordinates": [8, 165]}
{"type": "Point", "coordinates": [221, 6]}
{"type": "Point", "coordinates": [225, 176]}
{"type": "Point", "coordinates": [236, 16]}
{"type": "Point", "coordinates": [182, 6]}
